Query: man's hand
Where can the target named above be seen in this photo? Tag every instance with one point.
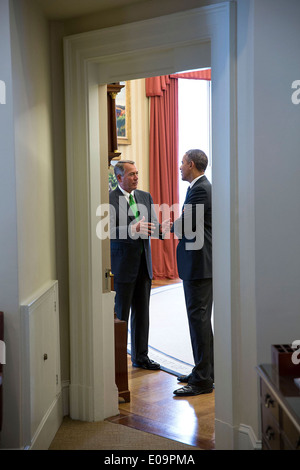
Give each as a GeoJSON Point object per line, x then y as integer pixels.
{"type": "Point", "coordinates": [143, 228]}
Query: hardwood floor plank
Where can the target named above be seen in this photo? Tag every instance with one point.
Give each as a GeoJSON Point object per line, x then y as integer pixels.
{"type": "Point", "coordinates": [166, 430]}
{"type": "Point", "coordinates": [153, 408]}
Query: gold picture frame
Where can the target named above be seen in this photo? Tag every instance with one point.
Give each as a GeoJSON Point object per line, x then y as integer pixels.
{"type": "Point", "coordinates": [123, 115]}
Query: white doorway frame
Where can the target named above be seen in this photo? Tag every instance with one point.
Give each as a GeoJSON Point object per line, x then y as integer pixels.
{"type": "Point", "coordinates": [197, 38]}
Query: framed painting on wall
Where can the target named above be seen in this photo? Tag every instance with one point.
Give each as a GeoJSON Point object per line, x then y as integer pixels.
{"type": "Point", "coordinates": [123, 115]}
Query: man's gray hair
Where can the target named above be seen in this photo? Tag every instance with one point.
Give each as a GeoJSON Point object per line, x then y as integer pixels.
{"type": "Point", "coordinates": [198, 157]}
{"type": "Point", "coordinates": [119, 167]}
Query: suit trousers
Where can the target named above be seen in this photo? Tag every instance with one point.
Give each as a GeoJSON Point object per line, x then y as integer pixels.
{"type": "Point", "coordinates": [134, 297]}
{"type": "Point", "coordinates": [198, 299]}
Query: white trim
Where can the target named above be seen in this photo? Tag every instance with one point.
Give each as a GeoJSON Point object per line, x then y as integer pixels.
{"type": "Point", "coordinates": [48, 426]}
{"type": "Point", "coordinates": [158, 46]}
{"type": "Point", "coordinates": [247, 438]}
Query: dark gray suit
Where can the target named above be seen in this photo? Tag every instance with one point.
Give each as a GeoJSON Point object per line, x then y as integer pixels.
{"type": "Point", "coordinates": [131, 265]}
{"type": "Point", "coordinates": [194, 260]}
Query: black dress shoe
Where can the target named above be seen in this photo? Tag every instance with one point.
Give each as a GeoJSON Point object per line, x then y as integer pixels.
{"type": "Point", "coordinates": [184, 378]}
{"type": "Point", "coordinates": [192, 390]}
{"type": "Point", "coordinates": [147, 364]}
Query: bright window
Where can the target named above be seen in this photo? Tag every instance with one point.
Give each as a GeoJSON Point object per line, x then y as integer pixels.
{"type": "Point", "coordinates": [194, 105]}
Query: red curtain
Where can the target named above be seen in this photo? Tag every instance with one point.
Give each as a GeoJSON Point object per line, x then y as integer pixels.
{"type": "Point", "coordinates": [164, 185]}
{"type": "Point", "coordinates": [164, 161]}
{"type": "Point", "coordinates": [204, 74]}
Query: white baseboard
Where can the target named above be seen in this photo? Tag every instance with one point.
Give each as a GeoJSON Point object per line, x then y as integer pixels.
{"type": "Point", "coordinates": [48, 427]}
{"type": "Point", "coordinates": [247, 439]}
{"type": "Point", "coordinates": [241, 437]}
{"type": "Point", "coordinates": [224, 435]}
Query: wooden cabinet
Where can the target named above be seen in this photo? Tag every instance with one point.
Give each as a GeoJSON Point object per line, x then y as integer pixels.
{"type": "Point", "coordinates": [121, 372]}
{"type": "Point", "coordinates": [280, 410]}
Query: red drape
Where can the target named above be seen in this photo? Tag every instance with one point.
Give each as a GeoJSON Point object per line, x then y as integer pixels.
{"type": "Point", "coordinates": [164, 184]}
{"type": "Point", "coordinates": [204, 74]}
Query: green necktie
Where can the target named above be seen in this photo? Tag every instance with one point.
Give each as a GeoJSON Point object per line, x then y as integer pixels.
{"type": "Point", "coordinates": [133, 207]}
{"type": "Point", "coordinates": [136, 214]}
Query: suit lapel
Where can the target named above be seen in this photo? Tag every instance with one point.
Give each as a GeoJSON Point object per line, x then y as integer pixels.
{"type": "Point", "coordinates": [199, 181]}
{"type": "Point", "coordinates": [195, 186]}
{"type": "Point", "coordinates": [124, 206]}
{"type": "Point", "coordinates": [137, 196]}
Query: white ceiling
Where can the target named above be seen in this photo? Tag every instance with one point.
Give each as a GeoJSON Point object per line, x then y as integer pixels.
{"type": "Point", "coordinates": [62, 9]}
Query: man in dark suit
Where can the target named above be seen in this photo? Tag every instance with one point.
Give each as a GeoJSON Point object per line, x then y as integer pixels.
{"type": "Point", "coordinates": [132, 222]}
{"type": "Point", "coordinates": [194, 260]}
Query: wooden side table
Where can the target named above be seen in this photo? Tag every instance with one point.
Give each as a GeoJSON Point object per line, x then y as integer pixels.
{"type": "Point", "coordinates": [280, 410]}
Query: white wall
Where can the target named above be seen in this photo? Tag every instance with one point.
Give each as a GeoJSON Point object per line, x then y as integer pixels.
{"type": "Point", "coordinates": [269, 196]}
{"type": "Point", "coordinates": [276, 172]}
{"type": "Point", "coordinates": [33, 147]}
{"type": "Point", "coordinates": [8, 242]}
{"type": "Point", "coordinates": [27, 226]}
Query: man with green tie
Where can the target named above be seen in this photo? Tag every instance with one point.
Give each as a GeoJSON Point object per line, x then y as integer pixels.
{"type": "Point", "coordinates": [132, 222]}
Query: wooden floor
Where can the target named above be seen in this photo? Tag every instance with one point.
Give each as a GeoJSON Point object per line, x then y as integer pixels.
{"type": "Point", "coordinates": [153, 407]}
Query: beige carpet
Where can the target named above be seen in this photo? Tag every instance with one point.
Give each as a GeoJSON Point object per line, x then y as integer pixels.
{"type": "Point", "coordinates": [103, 435]}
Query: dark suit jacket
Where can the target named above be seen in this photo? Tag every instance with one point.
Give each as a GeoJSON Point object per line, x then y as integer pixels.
{"type": "Point", "coordinates": [126, 251]}
{"type": "Point", "coordinates": [195, 263]}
